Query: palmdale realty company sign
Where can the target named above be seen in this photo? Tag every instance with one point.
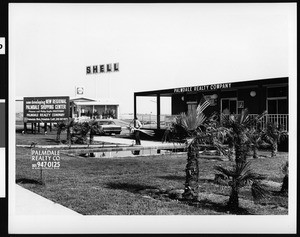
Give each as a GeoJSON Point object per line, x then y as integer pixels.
{"type": "Point", "coordinates": [203, 88]}
{"type": "Point", "coordinates": [102, 68]}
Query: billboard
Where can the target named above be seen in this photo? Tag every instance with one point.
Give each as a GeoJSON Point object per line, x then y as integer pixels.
{"type": "Point", "coordinates": [46, 109]}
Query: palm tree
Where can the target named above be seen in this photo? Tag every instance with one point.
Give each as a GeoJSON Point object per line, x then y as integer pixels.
{"type": "Point", "coordinates": [274, 134]}
{"type": "Point", "coordinates": [285, 181]}
{"type": "Point", "coordinates": [70, 124]}
{"type": "Point", "coordinates": [62, 126]}
{"type": "Point", "coordinates": [237, 136]}
{"type": "Point", "coordinates": [241, 175]}
{"type": "Point", "coordinates": [187, 127]}
{"type": "Point", "coordinates": [256, 134]}
{"type": "Point", "coordinates": [242, 133]}
{"type": "Point", "coordinates": [94, 128]}
{"type": "Point", "coordinates": [79, 132]}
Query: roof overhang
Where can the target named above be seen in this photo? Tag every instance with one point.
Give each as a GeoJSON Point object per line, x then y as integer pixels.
{"type": "Point", "coordinates": [87, 103]}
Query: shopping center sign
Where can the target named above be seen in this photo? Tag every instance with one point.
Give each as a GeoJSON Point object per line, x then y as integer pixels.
{"type": "Point", "coordinates": [46, 109]}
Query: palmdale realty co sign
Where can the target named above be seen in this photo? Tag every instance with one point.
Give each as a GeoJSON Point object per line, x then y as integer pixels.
{"type": "Point", "coordinates": [102, 68]}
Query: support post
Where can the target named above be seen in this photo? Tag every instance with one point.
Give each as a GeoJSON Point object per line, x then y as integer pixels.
{"type": "Point", "coordinates": [134, 106]}
{"type": "Point", "coordinates": [158, 110]}
{"type": "Point", "coordinates": [25, 127]}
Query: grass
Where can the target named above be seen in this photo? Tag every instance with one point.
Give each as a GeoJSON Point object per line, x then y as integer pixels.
{"type": "Point", "coordinates": [126, 186]}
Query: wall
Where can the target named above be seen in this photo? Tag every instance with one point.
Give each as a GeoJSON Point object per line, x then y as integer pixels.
{"type": "Point", "coordinates": [178, 106]}
{"type": "Point", "coordinates": [253, 104]}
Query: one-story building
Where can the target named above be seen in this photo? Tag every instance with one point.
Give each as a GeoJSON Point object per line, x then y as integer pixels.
{"type": "Point", "coordinates": [85, 107]}
{"type": "Point", "coordinates": [229, 98]}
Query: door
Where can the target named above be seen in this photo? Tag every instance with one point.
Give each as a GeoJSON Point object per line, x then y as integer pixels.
{"type": "Point", "coordinates": [192, 106]}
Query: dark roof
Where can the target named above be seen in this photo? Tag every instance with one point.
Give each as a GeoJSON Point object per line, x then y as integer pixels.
{"type": "Point", "coordinates": [262, 82]}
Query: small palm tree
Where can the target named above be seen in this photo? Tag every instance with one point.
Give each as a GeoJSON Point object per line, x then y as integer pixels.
{"type": "Point", "coordinates": [70, 124]}
{"type": "Point", "coordinates": [94, 128]}
{"type": "Point", "coordinates": [285, 181]}
{"type": "Point", "coordinates": [187, 128]}
{"type": "Point", "coordinates": [274, 134]}
{"type": "Point", "coordinates": [256, 133]}
{"type": "Point", "coordinates": [241, 175]}
{"type": "Point", "coordinates": [79, 132]}
{"type": "Point", "coordinates": [242, 133]}
{"type": "Point", "coordinates": [238, 125]}
{"type": "Point", "coordinates": [62, 126]}
{"type": "Point", "coordinates": [189, 125]}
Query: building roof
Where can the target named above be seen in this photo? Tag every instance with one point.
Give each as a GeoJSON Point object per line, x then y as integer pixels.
{"type": "Point", "coordinates": [82, 99]}
{"type": "Point", "coordinates": [213, 87]}
{"type": "Point", "coordinates": [87, 101]}
{"type": "Point", "coordinates": [94, 103]}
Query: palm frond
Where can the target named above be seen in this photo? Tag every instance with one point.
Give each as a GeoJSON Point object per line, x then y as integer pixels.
{"type": "Point", "coordinates": [148, 132]}
{"type": "Point", "coordinates": [190, 121]}
{"type": "Point", "coordinates": [245, 174]}
{"type": "Point", "coordinates": [259, 191]}
{"type": "Point", "coordinates": [244, 116]}
{"type": "Point", "coordinates": [227, 172]}
{"type": "Point", "coordinates": [202, 106]}
{"type": "Point", "coordinates": [285, 168]}
{"type": "Point", "coordinates": [260, 116]}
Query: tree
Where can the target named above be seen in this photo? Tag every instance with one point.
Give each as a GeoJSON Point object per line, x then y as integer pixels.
{"type": "Point", "coordinates": [94, 128]}
{"type": "Point", "coordinates": [242, 133]}
{"type": "Point", "coordinates": [243, 136]}
{"type": "Point", "coordinates": [285, 181]}
{"type": "Point", "coordinates": [241, 175]}
{"type": "Point", "coordinates": [79, 132]}
{"type": "Point", "coordinates": [62, 126]}
{"type": "Point", "coordinates": [256, 134]}
{"type": "Point", "coordinates": [274, 134]}
{"type": "Point", "coordinates": [187, 127]}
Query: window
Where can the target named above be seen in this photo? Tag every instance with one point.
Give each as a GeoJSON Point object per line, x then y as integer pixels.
{"type": "Point", "coordinates": [277, 100]}
{"type": "Point", "coordinates": [229, 105]}
{"type": "Point", "coordinates": [277, 106]}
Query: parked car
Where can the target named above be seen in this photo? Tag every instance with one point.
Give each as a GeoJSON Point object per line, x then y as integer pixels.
{"type": "Point", "coordinates": [108, 126]}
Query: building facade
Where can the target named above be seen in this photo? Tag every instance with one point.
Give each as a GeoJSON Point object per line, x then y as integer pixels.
{"type": "Point", "coordinates": [85, 107]}
{"type": "Point", "coordinates": [257, 96]}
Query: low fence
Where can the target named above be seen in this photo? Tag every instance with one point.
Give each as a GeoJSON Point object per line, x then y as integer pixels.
{"type": "Point", "coordinates": [150, 121]}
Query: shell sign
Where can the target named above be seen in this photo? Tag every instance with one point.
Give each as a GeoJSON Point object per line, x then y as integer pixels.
{"type": "Point", "coordinates": [102, 68]}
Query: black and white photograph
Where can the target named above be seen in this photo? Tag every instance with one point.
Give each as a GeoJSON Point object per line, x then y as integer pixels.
{"type": "Point", "coordinates": [152, 118]}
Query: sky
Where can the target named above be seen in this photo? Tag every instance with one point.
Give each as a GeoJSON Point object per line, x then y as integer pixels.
{"type": "Point", "coordinates": [157, 46]}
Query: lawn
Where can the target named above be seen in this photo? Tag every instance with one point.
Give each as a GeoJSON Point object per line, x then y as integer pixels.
{"type": "Point", "coordinates": [141, 185]}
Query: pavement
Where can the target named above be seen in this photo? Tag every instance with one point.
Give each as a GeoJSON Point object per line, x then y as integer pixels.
{"type": "Point", "coordinates": [126, 141]}
{"type": "Point", "coordinates": [145, 147]}
{"type": "Point", "coordinates": [30, 203]}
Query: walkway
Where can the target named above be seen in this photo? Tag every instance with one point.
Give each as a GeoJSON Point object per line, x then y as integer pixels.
{"type": "Point", "coordinates": [30, 203]}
